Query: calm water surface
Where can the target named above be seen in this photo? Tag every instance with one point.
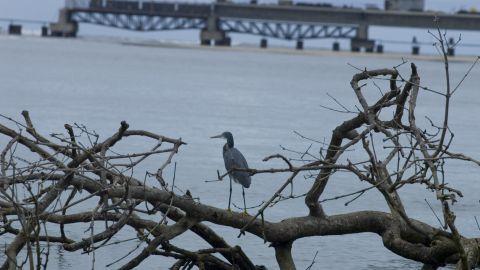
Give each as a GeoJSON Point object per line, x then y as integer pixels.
{"type": "Point", "coordinates": [261, 97]}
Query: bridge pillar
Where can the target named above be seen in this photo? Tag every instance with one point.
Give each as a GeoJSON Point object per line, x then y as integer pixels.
{"type": "Point", "coordinates": [205, 42]}
{"type": "Point", "coordinates": [65, 27]}
{"type": "Point", "coordinates": [416, 50]}
{"type": "Point", "coordinates": [361, 40]}
{"type": "Point", "coordinates": [44, 31]}
{"type": "Point", "coordinates": [336, 46]}
{"type": "Point", "coordinates": [213, 33]}
{"type": "Point", "coordinates": [226, 41]}
{"type": "Point", "coordinates": [450, 49]}
{"type": "Point", "coordinates": [299, 45]}
{"type": "Point", "coordinates": [263, 43]}
{"type": "Point", "coordinates": [362, 32]}
{"type": "Point", "coordinates": [219, 38]}
{"type": "Point", "coordinates": [379, 48]}
{"type": "Point", "coordinates": [14, 29]}
{"type": "Point", "coordinates": [415, 46]}
{"type": "Point", "coordinates": [357, 44]}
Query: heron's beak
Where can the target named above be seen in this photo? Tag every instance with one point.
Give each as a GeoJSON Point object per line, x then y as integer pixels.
{"type": "Point", "coordinates": [217, 136]}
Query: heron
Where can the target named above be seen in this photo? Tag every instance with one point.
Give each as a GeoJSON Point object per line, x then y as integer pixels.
{"type": "Point", "coordinates": [234, 159]}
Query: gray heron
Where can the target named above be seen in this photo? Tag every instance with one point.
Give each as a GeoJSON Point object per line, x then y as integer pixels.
{"type": "Point", "coordinates": [235, 160]}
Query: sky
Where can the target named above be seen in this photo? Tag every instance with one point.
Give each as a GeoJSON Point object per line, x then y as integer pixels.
{"type": "Point", "coordinates": [48, 9]}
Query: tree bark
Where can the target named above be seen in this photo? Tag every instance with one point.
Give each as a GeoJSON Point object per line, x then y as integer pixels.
{"type": "Point", "coordinates": [283, 253]}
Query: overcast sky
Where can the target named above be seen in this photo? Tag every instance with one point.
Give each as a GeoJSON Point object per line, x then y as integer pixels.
{"type": "Point", "coordinates": [48, 9]}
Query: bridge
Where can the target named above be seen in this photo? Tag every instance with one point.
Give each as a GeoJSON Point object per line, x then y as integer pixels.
{"type": "Point", "coordinates": [216, 20]}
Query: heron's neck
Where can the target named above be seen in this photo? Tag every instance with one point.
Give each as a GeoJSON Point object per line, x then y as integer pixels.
{"type": "Point", "coordinates": [229, 143]}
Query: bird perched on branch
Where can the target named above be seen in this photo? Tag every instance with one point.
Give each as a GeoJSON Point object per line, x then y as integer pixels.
{"type": "Point", "coordinates": [235, 160]}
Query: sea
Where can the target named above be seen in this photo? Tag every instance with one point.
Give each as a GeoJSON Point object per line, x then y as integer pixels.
{"type": "Point", "coordinates": [265, 98]}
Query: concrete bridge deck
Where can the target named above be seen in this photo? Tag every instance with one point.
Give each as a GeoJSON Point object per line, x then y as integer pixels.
{"type": "Point", "coordinates": [350, 16]}
{"type": "Point", "coordinates": [294, 13]}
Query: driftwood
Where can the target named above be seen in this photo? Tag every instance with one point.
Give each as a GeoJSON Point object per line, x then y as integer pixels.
{"type": "Point", "coordinates": [64, 171]}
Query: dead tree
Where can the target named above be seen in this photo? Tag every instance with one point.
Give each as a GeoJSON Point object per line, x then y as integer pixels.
{"type": "Point", "coordinates": [43, 178]}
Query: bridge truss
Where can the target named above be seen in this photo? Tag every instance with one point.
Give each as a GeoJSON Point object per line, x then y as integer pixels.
{"type": "Point", "coordinates": [137, 22]}
{"type": "Point", "coordinates": [287, 30]}
{"type": "Point", "coordinates": [154, 22]}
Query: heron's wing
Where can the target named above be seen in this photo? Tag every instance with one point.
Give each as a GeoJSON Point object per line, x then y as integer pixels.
{"type": "Point", "coordinates": [234, 159]}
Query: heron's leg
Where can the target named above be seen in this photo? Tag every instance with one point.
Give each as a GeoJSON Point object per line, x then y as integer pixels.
{"type": "Point", "coordinates": [244, 203]}
{"type": "Point", "coordinates": [230, 194]}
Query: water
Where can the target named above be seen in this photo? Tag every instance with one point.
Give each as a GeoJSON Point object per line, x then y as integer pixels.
{"type": "Point", "coordinates": [261, 97]}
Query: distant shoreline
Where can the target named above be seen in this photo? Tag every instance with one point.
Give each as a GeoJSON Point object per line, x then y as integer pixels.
{"type": "Point", "coordinates": [304, 52]}
{"type": "Point", "coordinates": [252, 48]}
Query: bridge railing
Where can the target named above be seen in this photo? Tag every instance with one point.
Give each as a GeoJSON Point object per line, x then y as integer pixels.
{"type": "Point", "coordinates": [77, 3]}
{"type": "Point", "coordinates": [130, 4]}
